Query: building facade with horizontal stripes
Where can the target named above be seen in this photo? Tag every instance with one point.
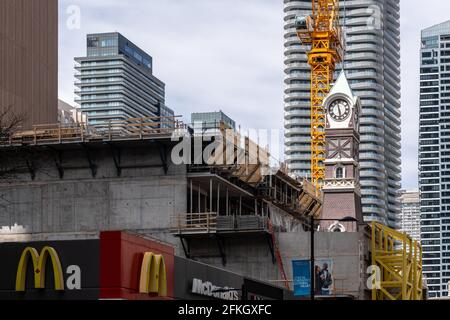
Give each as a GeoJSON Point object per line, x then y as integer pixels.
{"type": "Point", "coordinates": [29, 60]}
{"type": "Point", "coordinates": [115, 81]}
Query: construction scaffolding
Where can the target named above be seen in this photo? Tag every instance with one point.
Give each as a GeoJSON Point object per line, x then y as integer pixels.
{"type": "Point", "coordinates": [235, 191]}
{"type": "Point", "coordinates": [398, 260]}
{"type": "Point", "coordinates": [238, 159]}
{"type": "Point", "coordinates": [114, 130]}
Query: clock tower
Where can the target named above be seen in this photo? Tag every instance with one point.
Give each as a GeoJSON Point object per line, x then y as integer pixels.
{"type": "Point", "coordinates": [341, 187]}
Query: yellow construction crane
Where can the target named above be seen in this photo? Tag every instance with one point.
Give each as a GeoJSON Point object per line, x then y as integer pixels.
{"type": "Point", "coordinates": [322, 31]}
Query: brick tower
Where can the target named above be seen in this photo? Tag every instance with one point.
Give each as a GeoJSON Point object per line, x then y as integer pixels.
{"type": "Point", "coordinates": [341, 187]}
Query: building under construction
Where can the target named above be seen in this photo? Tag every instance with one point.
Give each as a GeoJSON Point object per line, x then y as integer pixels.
{"type": "Point", "coordinates": [70, 183]}
{"type": "Point", "coordinates": [75, 180]}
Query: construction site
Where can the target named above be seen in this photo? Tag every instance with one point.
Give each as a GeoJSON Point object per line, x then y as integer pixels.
{"type": "Point", "coordinates": [224, 206]}
{"type": "Point", "coordinates": [71, 183]}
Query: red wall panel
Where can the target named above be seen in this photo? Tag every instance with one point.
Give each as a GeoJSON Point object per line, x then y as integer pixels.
{"type": "Point", "coordinates": [121, 257]}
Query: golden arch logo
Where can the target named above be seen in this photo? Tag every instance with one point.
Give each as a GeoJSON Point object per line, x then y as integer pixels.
{"type": "Point", "coordinates": [153, 279]}
{"type": "Point", "coordinates": [39, 267]}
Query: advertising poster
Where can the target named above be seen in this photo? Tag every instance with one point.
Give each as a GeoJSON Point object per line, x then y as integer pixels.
{"type": "Point", "coordinates": [323, 277]}
{"type": "Point", "coordinates": [324, 282]}
{"type": "Point", "coordinates": [302, 278]}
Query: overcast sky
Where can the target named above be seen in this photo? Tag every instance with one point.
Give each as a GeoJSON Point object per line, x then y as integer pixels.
{"type": "Point", "coordinates": [228, 55]}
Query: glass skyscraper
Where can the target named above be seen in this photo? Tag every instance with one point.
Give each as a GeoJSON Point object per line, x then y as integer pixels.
{"type": "Point", "coordinates": [372, 66]}
{"type": "Point", "coordinates": [115, 81]}
{"type": "Point", "coordinates": [434, 156]}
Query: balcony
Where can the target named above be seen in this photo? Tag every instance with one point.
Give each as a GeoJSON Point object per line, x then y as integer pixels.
{"type": "Point", "coordinates": [196, 229]}
{"type": "Point", "coordinates": [194, 224]}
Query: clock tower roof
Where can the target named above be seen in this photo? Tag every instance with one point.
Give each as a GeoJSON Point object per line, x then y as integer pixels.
{"type": "Point", "coordinates": [343, 108]}
{"type": "Point", "coordinates": [342, 86]}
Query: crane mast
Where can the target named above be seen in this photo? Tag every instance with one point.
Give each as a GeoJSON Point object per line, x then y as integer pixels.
{"type": "Point", "coordinates": [322, 32]}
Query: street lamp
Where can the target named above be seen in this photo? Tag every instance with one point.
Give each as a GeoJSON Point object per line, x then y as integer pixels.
{"type": "Point", "coordinates": [313, 220]}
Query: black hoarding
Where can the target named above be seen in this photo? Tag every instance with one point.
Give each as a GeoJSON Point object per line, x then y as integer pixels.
{"type": "Point", "coordinates": [198, 281]}
{"type": "Point", "coordinates": [78, 268]}
{"type": "Point", "coordinates": [255, 290]}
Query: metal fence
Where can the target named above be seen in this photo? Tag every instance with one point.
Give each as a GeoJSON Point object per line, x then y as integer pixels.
{"type": "Point", "coordinates": [194, 223]}
{"type": "Point", "coordinates": [338, 226]}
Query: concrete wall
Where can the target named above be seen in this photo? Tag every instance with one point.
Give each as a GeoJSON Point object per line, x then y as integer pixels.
{"type": "Point", "coordinates": [141, 199]}
{"type": "Point", "coordinates": [247, 255]}
{"type": "Point", "coordinates": [251, 257]}
{"type": "Point", "coordinates": [347, 250]}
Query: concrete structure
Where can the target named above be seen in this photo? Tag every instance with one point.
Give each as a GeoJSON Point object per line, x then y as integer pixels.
{"type": "Point", "coordinates": [87, 195]}
{"type": "Point", "coordinates": [116, 81]}
{"type": "Point", "coordinates": [410, 214]}
{"type": "Point", "coordinates": [372, 63]}
{"type": "Point", "coordinates": [91, 197]}
{"type": "Point", "coordinates": [348, 252]}
{"type": "Point", "coordinates": [434, 178]}
{"type": "Point", "coordinates": [29, 59]}
{"type": "Point", "coordinates": [240, 220]}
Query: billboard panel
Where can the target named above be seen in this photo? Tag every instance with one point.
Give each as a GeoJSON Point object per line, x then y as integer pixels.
{"type": "Point", "coordinates": [324, 282]}
{"type": "Point", "coordinates": [302, 277]}
{"type": "Point", "coordinates": [323, 277]}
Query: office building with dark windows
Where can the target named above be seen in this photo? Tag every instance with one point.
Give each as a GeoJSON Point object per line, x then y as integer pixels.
{"type": "Point", "coordinates": [434, 157]}
{"type": "Point", "coordinates": [115, 81]}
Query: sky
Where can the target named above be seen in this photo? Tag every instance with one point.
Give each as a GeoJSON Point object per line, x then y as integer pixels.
{"type": "Point", "coordinates": [228, 55]}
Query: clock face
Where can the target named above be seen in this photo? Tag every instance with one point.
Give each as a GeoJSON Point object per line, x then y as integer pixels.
{"type": "Point", "coordinates": [339, 110]}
